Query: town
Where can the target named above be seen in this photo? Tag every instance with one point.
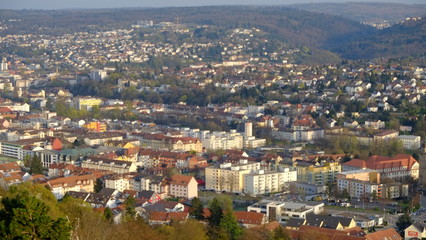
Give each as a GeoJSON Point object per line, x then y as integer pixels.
{"type": "Point", "coordinates": [172, 116]}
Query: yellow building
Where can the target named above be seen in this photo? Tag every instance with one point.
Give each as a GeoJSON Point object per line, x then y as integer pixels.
{"type": "Point", "coordinates": [87, 103]}
{"type": "Point", "coordinates": [317, 173]}
{"type": "Point", "coordinates": [96, 126]}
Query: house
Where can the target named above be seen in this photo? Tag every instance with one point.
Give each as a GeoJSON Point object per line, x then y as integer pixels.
{"type": "Point", "coordinates": [416, 231]}
{"type": "Point", "coordinates": [183, 186]}
{"type": "Point", "coordinates": [9, 167]}
{"type": "Point", "coordinates": [149, 196]}
{"type": "Point", "coordinates": [388, 234]}
{"type": "Point", "coordinates": [60, 186]}
{"type": "Point", "coordinates": [250, 219]}
{"type": "Point", "coordinates": [161, 218]}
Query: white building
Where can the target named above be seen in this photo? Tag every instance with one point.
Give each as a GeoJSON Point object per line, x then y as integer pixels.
{"type": "Point", "coordinates": [282, 211]}
{"type": "Point", "coordinates": [410, 142]}
{"type": "Point", "coordinates": [98, 75]}
{"type": "Point", "coordinates": [296, 135]}
{"type": "Point", "coordinates": [229, 177]}
{"type": "Point", "coordinates": [223, 140]}
{"type": "Point", "coordinates": [261, 182]}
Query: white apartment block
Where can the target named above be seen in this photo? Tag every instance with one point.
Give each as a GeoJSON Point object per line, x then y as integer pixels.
{"type": "Point", "coordinates": [261, 182]}
{"type": "Point", "coordinates": [410, 142]}
{"type": "Point", "coordinates": [296, 135]}
{"type": "Point", "coordinates": [183, 186]}
{"type": "Point", "coordinates": [223, 140]}
{"type": "Point", "coordinates": [229, 177]}
{"type": "Point", "coordinates": [253, 142]}
{"type": "Point", "coordinates": [149, 183]}
{"type": "Point", "coordinates": [118, 182]}
{"type": "Point", "coordinates": [358, 188]}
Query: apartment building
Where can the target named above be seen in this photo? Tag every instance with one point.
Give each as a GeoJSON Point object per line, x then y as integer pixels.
{"type": "Point", "coordinates": [397, 168]}
{"type": "Point", "coordinates": [229, 177]}
{"type": "Point", "coordinates": [87, 103]}
{"type": "Point", "coordinates": [223, 140]}
{"type": "Point", "coordinates": [261, 182]}
{"type": "Point", "coordinates": [410, 142]}
{"type": "Point", "coordinates": [321, 173]}
{"type": "Point", "coordinates": [116, 166]}
{"type": "Point", "coordinates": [183, 186]}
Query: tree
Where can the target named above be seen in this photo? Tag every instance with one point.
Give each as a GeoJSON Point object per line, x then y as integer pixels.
{"type": "Point", "coordinates": [225, 202]}
{"type": "Point", "coordinates": [403, 222]}
{"type": "Point", "coordinates": [170, 172]}
{"type": "Point", "coordinates": [279, 234]}
{"type": "Point", "coordinates": [86, 223]}
{"type": "Point", "coordinates": [26, 217]}
{"type": "Point", "coordinates": [230, 225]}
{"type": "Point", "coordinates": [190, 229]}
{"type": "Point", "coordinates": [27, 160]}
{"type": "Point", "coordinates": [36, 166]}
{"type": "Point", "coordinates": [196, 209]}
{"type": "Point", "coordinates": [130, 212]}
{"type": "Point", "coordinates": [216, 213]}
{"type": "Point", "coordinates": [108, 214]}
{"type": "Point", "coordinates": [98, 185]}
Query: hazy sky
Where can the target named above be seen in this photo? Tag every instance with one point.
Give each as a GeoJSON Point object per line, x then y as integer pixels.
{"type": "Point", "coordinates": [61, 4]}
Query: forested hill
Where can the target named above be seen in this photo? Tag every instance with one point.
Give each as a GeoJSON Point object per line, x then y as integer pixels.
{"type": "Point", "coordinates": [318, 31]}
{"type": "Point", "coordinates": [405, 39]}
{"type": "Point", "coordinates": [291, 25]}
{"type": "Point", "coordinates": [366, 11]}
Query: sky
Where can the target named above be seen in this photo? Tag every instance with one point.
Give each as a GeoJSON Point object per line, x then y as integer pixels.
{"type": "Point", "coordinates": [64, 4]}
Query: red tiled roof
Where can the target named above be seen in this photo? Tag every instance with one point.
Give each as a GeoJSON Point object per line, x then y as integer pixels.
{"type": "Point", "coordinates": [388, 234]}
{"type": "Point", "coordinates": [181, 180]}
{"type": "Point", "coordinates": [9, 167]}
{"type": "Point", "coordinates": [380, 162]}
{"type": "Point", "coordinates": [253, 218]}
{"type": "Point", "coordinates": [167, 216]}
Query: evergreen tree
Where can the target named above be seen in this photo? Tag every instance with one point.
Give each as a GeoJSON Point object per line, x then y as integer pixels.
{"type": "Point", "coordinates": [26, 217]}
{"type": "Point", "coordinates": [216, 213]}
{"type": "Point", "coordinates": [280, 234]}
{"type": "Point", "coordinates": [230, 225]}
{"type": "Point", "coordinates": [403, 222]}
{"type": "Point", "coordinates": [36, 166]}
{"type": "Point", "coordinates": [130, 213]}
{"type": "Point", "coordinates": [98, 185]}
{"type": "Point", "coordinates": [196, 209]}
{"type": "Point", "coordinates": [27, 161]}
{"type": "Point", "coordinates": [108, 214]}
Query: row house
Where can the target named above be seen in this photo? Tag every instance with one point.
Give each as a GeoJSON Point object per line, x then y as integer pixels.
{"type": "Point", "coordinates": [163, 142]}
{"type": "Point", "coordinates": [115, 166]}
{"type": "Point", "coordinates": [100, 139]}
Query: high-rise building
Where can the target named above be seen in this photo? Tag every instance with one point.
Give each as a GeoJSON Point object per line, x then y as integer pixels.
{"type": "Point", "coordinates": [248, 129]}
{"type": "Point", "coordinates": [3, 66]}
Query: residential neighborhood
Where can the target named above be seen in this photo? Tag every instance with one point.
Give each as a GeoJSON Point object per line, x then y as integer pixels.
{"type": "Point", "coordinates": [105, 116]}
